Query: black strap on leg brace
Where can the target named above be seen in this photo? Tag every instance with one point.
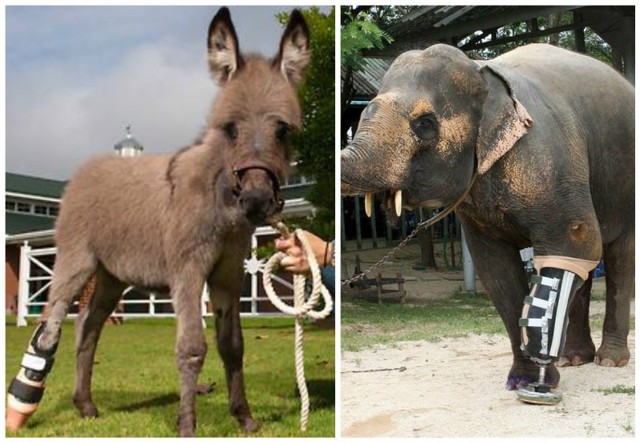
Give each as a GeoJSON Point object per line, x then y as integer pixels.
{"type": "Point", "coordinates": [545, 314]}
{"type": "Point", "coordinates": [26, 393]}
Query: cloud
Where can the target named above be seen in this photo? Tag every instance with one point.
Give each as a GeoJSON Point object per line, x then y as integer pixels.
{"type": "Point", "coordinates": [166, 102]}
{"type": "Point", "coordinates": [77, 76]}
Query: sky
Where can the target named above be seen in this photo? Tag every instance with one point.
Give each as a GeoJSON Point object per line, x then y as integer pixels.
{"type": "Point", "coordinates": [77, 76]}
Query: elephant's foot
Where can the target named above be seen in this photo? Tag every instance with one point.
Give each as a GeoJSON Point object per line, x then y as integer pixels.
{"type": "Point", "coordinates": [578, 350]}
{"type": "Point", "coordinates": [576, 355]}
{"type": "Point", "coordinates": [611, 356]}
{"type": "Point", "coordinates": [525, 372]}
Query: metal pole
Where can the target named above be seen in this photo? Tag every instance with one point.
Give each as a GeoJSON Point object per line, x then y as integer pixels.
{"type": "Point", "coordinates": [467, 264]}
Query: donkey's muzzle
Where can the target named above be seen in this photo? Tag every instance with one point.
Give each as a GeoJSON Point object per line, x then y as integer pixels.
{"type": "Point", "coordinates": [258, 190]}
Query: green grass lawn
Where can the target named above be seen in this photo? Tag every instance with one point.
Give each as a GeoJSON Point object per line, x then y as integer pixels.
{"type": "Point", "coordinates": [365, 323]}
{"type": "Point", "coordinates": [135, 382]}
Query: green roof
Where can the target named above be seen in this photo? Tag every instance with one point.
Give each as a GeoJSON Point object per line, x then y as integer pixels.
{"type": "Point", "coordinates": [42, 187]}
{"type": "Point", "coordinates": [17, 223]}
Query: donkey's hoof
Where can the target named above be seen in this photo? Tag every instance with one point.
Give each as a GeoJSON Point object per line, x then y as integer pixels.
{"type": "Point", "coordinates": [88, 411]}
{"type": "Point", "coordinates": [186, 432]}
{"type": "Point", "coordinates": [186, 426]}
{"type": "Point", "coordinates": [249, 425]}
{"type": "Point", "coordinates": [86, 408]}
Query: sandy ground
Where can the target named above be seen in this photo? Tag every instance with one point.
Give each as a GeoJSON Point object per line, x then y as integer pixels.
{"type": "Point", "coordinates": [456, 387]}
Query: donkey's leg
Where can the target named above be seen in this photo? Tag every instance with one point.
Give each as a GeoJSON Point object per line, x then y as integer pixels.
{"type": "Point", "coordinates": [89, 325]}
{"type": "Point", "coordinates": [71, 272]}
{"type": "Point", "coordinates": [191, 347]}
{"type": "Point", "coordinates": [225, 295]}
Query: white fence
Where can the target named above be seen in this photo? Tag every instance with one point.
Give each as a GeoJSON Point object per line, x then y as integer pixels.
{"type": "Point", "coordinates": [36, 272]}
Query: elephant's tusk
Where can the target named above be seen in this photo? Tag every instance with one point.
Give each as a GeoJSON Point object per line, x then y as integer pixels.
{"type": "Point", "coordinates": [398, 201]}
{"type": "Point", "coordinates": [368, 203]}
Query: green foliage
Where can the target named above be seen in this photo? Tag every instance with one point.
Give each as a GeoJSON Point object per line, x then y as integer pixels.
{"type": "Point", "coordinates": [594, 45]}
{"type": "Point", "coordinates": [321, 225]}
{"type": "Point", "coordinates": [135, 383]}
{"type": "Point", "coordinates": [358, 34]}
{"type": "Point", "coordinates": [315, 144]}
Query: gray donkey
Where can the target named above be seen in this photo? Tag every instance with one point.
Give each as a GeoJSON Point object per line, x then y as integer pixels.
{"type": "Point", "coordinates": [176, 222]}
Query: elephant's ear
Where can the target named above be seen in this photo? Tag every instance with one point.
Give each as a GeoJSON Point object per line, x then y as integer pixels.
{"type": "Point", "coordinates": [504, 119]}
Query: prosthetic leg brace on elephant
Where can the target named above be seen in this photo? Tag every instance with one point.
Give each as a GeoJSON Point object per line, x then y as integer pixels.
{"type": "Point", "coordinates": [545, 318]}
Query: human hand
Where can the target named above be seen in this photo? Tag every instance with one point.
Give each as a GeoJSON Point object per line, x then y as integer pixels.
{"type": "Point", "coordinates": [296, 260]}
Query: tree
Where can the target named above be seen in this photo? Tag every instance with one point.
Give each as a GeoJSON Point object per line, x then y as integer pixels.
{"type": "Point", "coordinates": [315, 144]}
{"type": "Point", "coordinates": [593, 44]}
{"type": "Point", "coordinates": [360, 31]}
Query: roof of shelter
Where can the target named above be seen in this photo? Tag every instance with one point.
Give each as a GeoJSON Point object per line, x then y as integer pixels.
{"type": "Point", "coordinates": [469, 28]}
{"type": "Point", "coordinates": [36, 186]}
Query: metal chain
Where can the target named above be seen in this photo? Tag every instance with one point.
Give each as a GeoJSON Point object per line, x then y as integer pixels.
{"type": "Point", "coordinates": [424, 224]}
{"type": "Point", "coordinates": [391, 253]}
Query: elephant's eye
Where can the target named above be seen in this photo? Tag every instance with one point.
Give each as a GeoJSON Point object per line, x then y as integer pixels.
{"type": "Point", "coordinates": [425, 126]}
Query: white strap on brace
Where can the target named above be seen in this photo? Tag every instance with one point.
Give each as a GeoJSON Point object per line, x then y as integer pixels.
{"type": "Point", "coordinates": [563, 306]}
{"type": "Point", "coordinates": [33, 362]}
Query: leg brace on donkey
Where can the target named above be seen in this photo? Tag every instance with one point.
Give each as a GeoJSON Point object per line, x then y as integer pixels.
{"type": "Point", "coordinates": [27, 388]}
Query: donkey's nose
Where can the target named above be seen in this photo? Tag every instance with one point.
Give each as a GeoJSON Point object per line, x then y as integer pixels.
{"type": "Point", "coordinates": [257, 205]}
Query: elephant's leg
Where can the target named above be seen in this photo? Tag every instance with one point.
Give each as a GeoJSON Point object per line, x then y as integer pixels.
{"type": "Point", "coordinates": [567, 246]}
{"type": "Point", "coordinates": [225, 295]}
{"type": "Point", "coordinates": [72, 271]}
{"type": "Point", "coordinates": [89, 323]}
{"type": "Point", "coordinates": [191, 347]}
{"type": "Point", "coordinates": [501, 270]}
{"type": "Point", "coordinates": [619, 262]}
{"type": "Point", "coordinates": [579, 348]}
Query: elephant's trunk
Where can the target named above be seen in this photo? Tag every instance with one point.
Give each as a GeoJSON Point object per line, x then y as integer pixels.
{"type": "Point", "coordinates": [379, 157]}
{"type": "Point", "coordinates": [360, 171]}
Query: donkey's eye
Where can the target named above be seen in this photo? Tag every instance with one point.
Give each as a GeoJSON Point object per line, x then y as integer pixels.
{"type": "Point", "coordinates": [230, 130]}
{"type": "Point", "coordinates": [425, 126]}
{"type": "Point", "coordinates": [283, 130]}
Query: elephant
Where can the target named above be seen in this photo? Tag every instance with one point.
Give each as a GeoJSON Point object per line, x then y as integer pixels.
{"type": "Point", "coordinates": [537, 145]}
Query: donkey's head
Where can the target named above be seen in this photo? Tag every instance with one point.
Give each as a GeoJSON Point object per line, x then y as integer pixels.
{"type": "Point", "coordinates": [256, 110]}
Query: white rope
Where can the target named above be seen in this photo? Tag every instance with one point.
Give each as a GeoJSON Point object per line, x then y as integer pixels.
{"type": "Point", "coordinates": [301, 308]}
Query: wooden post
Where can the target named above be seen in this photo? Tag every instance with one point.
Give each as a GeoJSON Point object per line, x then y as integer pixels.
{"type": "Point", "coordinates": [23, 285]}
{"type": "Point", "coordinates": [401, 287]}
{"type": "Point", "coordinates": [343, 230]}
{"type": "Point", "coordinates": [374, 232]}
{"type": "Point", "coordinates": [379, 287]}
{"type": "Point", "coordinates": [356, 202]}
{"type": "Point", "coordinates": [579, 34]}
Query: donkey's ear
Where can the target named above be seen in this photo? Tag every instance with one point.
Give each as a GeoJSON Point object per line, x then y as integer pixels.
{"type": "Point", "coordinates": [295, 53]}
{"type": "Point", "coordinates": [504, 119]}
{"type": "Point", "coordinates": [224, 53]}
